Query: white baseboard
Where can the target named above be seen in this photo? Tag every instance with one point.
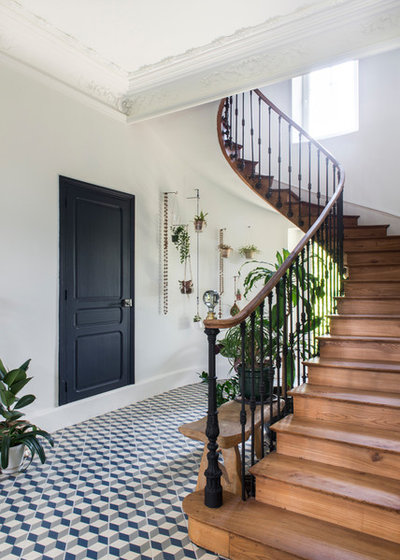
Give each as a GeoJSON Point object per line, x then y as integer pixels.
{"type": "Point", "coordinates": [79, 411]}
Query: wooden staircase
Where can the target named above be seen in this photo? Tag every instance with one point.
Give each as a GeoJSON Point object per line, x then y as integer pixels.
{"type": "Point", "coordinates": [331, 491]}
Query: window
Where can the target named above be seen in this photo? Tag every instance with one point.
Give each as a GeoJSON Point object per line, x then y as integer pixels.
{"type": "Point", "coordinates": [325, 102]}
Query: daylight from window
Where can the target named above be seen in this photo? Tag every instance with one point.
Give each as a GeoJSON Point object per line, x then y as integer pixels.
{"type": "Point", "coordinates": [326, 101]}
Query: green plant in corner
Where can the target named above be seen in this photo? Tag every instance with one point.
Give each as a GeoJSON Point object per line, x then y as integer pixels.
{"type": "Point", "coordinates": [181, 240]}
{"type": "Point", "coordinates": [226, 390]}
{"type": "Point", "coordinates": [14, 431]}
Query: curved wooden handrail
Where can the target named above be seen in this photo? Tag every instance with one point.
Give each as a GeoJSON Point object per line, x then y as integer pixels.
{"type": "Point", "coordinates": [272, 283]}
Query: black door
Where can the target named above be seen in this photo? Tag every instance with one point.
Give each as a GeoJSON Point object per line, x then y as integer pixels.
{"type": "Point", "coordinates": [96, 290]}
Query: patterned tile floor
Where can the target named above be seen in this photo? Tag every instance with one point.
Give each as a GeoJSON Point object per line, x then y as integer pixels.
{"type": "Point", "coordinates": [112, 487]}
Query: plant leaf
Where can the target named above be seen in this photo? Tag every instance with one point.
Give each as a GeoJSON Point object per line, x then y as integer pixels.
{"type": "Point", "coordinates": [7, 397]}
{"type": "Point", "coordinates": [5, 447]}
{"type": "Point", "coordinates": [24, 401]}
{"type": "Point", "coordinates": [25, 365]}
{"type": "Point", "coordinates": [3, 370]}
{"type": "Point", "coordinates": [18, 385]}
{"type": "Point", "coordinates": [14, 375]}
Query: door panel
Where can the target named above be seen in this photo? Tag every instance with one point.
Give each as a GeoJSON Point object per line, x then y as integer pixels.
{"type": "Point", "coordinates": [96, 275]}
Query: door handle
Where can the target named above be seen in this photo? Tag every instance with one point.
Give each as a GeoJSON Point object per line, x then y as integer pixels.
{"type": "Point", "coordinates": [127, 303]}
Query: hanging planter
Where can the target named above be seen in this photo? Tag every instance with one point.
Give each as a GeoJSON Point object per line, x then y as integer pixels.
{"type": "Point", "coordinates": [225, 250]}
{"type": "Point", "coordinates": [199, 222]}
{"type": "Point", "coordinates": [186, 286]}
{"type": "Point", "coordinates": [248, 251]}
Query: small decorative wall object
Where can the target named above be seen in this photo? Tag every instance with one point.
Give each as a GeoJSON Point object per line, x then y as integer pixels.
{"type": "Point", "coordinates": [165, 251]}
{"type": "Point", "coordinates": [186, 286]}
{"type": "Point", "coordinates": [235, 308]}
{"type": "Point", "coordinates": [199, 222]}
{"type": "Point", "coordinates": [221, 272]}
{"type": "Point", "coordinates": [248, 251]}
{"type": "Point", "coordinates": [211, 298]}
{"type": "Point", "coordinates": [225, 250]}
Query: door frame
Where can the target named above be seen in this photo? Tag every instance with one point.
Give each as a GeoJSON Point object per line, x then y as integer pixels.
{"type": "Point", "coordinates": [64, 183]}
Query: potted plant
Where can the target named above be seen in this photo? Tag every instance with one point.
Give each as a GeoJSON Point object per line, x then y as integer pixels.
{"type": "Point", "coordinates": [269, 331]}
{"type": "Point", "coordinates": [186, 286]}
{"type": "Point", "coordinates": [200, 221]}
{"type": "Point", "coordinates": [225, 250]}
{"type": "Point", "coordinates": [248, 251]}
{"type": "Point", "coordinates": [16, 434]}
{"type": "Point", "coordinates": [181, 240]}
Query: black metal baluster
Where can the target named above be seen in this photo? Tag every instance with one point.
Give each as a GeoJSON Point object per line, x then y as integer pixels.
{"type": "Point", "coordinates": [243, 413]}
{"type": "Point", "coordinates": [298, 325]}
{"type": "Point", "coordinates": [326, 181]}
{"type": "Point", "coordinates": [258, 184]}
{"type": "Point", "coordinates": [252, 395]}
{"type": "Point", "coordinates": [309, 256]}
{"type": "Point", "coordinates": [301, 221]}
{"type": "Point", "coordinates": [309, 185]}
{"type": "Point", "coordinates": [291, 329]}
{"type": "Point", "coordinates": [284, 340]}
{"type": "Point", "coordinates": [278, 347]}
{"type": "Point", "coordinates": [290, 212]}
{"type": "Point", "coordinates": [279, 203]}
{"type": "Point", "coordinates": [262, 384]}
{"type": "Point", "coordinates": [213, 489]}
{"type": "Point", "coordinates": [319, 181]}
{"type": "Point", "coordinates": [241, 166]}
{"type": "Point", "coordinates": [272, 371]}
{"type": "Point", "coordinates": [269, 150]}
{"type": "Point", "coordinates": [230, 120]}
{"type": "Point", "coordinates": [303, 314]}
{"type": "Point", "coordinates": [340, 233]}
{"type": "Point", "coordinates": [236, 127]}
{"type": "Point", "coordinates": [252, 136]}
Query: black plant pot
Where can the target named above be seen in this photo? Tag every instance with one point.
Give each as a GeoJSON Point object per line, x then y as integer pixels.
{"type": "Point", "coordinates": [268, 374]}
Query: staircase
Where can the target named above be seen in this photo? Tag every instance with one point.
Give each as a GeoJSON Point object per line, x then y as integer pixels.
{"type": "Point", "coordinates": [331, 488]}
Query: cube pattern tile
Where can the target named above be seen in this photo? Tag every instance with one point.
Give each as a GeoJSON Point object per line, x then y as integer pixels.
{"type": "Point", "coordinates": [112, 487]}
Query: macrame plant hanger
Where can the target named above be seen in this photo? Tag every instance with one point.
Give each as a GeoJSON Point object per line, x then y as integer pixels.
{"type": "Point", "coordinates": [197, 317]}
{"type": "Point", "coordinates": [165, 250]}
{"type": "Point", "coordinates": [221, 272]}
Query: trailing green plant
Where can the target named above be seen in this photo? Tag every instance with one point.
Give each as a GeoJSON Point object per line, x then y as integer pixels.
{"type": "Point", "coordinates": [226, 390]}
{"type": "Point", "coordinates": [305, 289]}
{"type": "Point", "coordinates": [13, 429]}
{"type": "Point", "coordinates": [181, 240]}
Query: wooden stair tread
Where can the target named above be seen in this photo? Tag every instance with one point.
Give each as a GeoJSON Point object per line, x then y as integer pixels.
{"type": "Point", "coordinates": [380, 297]}
{"type": "Point", "coordinates": [376, 398]}
{"type": "Point", "coordinates": [366, 227]}
{"type": "Point", "coordinates": [350, 434]}
{"type": "Point", "coordinates": [387, 367]}
{"type": "Point", "coordinates": [345, 483]}
{"type": "Point", "coordinates": [344, 338]}
{"type": "Point", "coordinates": [303, 537]}
{"type": "Point", "coordinates": [362, 316]}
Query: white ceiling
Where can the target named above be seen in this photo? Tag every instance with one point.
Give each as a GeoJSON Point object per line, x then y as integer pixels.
{"type": "Point", "coordinates": [136, 60]}
{"type": "Point", "coordinates": [135, 33]}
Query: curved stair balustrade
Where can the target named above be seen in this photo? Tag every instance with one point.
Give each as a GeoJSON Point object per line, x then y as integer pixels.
{"type": "Point", "coordinates": [279, 328]}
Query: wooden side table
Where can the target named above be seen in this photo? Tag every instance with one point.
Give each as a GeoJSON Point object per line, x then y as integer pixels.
{"type": "Point", "coordinates": [230, 436]}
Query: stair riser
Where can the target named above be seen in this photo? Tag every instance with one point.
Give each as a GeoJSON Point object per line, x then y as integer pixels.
{"type": "Point", "coordinates": [365, 327]}
{"type": "Point", "coordinates": [378, 273]}
{"type": "Point", "coordinates": [389, 243]}
{"type": "Point", "coordinates": [350, 221]}
{"type": "Point", "coordinates": [327, 410]}
{"type": "Point", "coordinates": [384, 257]}
{"type": "Point", "coordinates": [365, 232]}
{"type": "Point", "coordinates": [369, 307]}
{"type": "Point", "coordinates": [354, 379]}
{"type": "Point", "coordinates": [360, 350]}
{"type": "Point", "coordinates": [360, 459]}
{"type": "Point", "coordinates": [373, 289]}
{"type": "Point", "coordinates": [333, 509]}
{"type": "Point", "coordinates": [244, 549]}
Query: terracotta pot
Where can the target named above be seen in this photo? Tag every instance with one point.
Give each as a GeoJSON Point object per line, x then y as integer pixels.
{"type": "Point", "coordinates": [15, 459]}
{"type": "Point", "coordinates": [199, 225]}
{"type": "Point", "coordinates": [249, 254]}
{"type": "Point", "coordinates": [186, 286]}
{"type": "Point", "coordinates": [226, 252]}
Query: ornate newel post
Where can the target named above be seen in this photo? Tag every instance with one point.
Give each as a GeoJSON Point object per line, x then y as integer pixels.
{"type": "Point", "coordinates": [213, 489]}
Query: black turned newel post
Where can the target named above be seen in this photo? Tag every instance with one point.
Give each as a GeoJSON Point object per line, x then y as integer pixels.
{"type": "Point", "coordinates": [213, 489]}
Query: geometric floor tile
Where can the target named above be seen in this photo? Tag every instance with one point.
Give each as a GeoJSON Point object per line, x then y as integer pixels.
{"type": "Point", "coordinates": [112, 487]}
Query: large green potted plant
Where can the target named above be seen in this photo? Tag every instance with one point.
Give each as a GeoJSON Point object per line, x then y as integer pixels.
{"type": "Point", "coordinates": [261, 351]}
{"type": "Point", "coordinates": [16, 434]}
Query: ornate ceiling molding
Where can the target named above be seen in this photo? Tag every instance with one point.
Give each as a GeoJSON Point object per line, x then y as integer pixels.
{"type": "Point", "coordinates": [277, 49]}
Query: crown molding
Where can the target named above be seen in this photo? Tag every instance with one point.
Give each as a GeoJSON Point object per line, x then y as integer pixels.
{"type": "Point", "coordinates": [314, 35]}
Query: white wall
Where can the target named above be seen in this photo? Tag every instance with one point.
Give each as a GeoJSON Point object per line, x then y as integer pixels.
{"type": "Point", "coordinates": [370, 155]}
{"type": "Point", "coordinates": [45, 134]}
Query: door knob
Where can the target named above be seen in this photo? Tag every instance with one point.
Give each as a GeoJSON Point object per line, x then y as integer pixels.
{"type": "Point", "coordinates": [127, 303]}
